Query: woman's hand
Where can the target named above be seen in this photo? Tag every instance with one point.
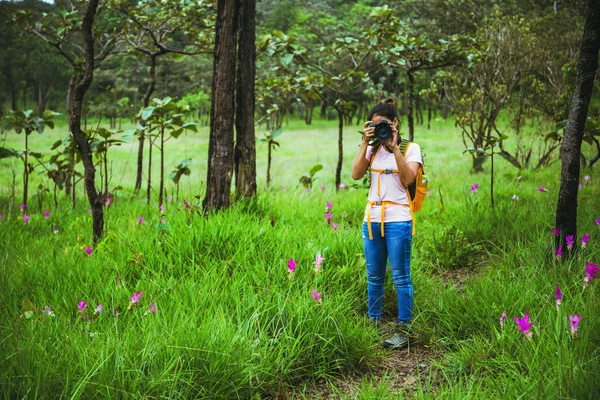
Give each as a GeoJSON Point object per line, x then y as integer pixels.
{"type": "Point", "coordinates": [368, 132]}
{"type": "Point", "coordinates": [393, 141]}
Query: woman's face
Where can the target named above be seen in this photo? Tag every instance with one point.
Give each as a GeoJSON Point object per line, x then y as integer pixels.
{"type": "Point", "coordinates": [378, 118]}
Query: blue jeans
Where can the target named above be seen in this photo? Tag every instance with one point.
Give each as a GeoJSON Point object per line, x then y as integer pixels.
{"type": "Point", "coordinates": [395, 246]}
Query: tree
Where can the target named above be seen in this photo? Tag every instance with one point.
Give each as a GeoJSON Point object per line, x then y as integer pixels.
{"type": "Point", "coordinates": [220, 145]}
{"type": "Point", "coordinates": [71, 32]}
{"type": "Point", "coordinates": [157, 29]}
{"type": "Point", "coordinates": [566, 208]}
{"type": "Point", "coordinates": [245, 144]}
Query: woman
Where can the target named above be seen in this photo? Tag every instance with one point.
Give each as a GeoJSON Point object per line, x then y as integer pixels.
{"type": "Point", "coordinates": [387, 226]}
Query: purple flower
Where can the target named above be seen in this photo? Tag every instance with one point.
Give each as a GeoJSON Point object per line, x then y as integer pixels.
{"type": "Point", "coordinates": [307, 190]}
{"type": "Point", "coordinates": [98, 309]}
{"type": "Point", "coordinates": [559, 252]}
{"type": "Point", "coordinates": [0, 217]}
{"type": "Point", "coordinates": [22, 207]}
{"type": "Point", "coordinates": [555, 232]}
{"type": "Point", "coordinates": [542, 189]}
{"type": "Point", "coordinates": [322, 188]}
{"type": "Point", "coordinates": [316, 296]}
{"type": "Point", "coordinates": [81, 306]}
{"type": "Point", "coordinates": [169, 198]}
{"type": "Point", "coordinates": [328, 217]}
{"type": "Point", "coordinates": [90, 210]}
{"type": "Point", "coordinates": [558, 296]}
{"type": "Point", "coordinates": [162, 208]}
{"type": "Point", "coordinates": [135, 297]}
{"type": "Point", "coordinates": [570, 241]}
{"type": "Point", "coordinates": [107, 202]}
{"type": "Point", "coordinates": [317, 263]}
{"type": "Point", "coordinates": [47, 214]}
{"type": "Point", "coordinates": [580, 186]}
{"type": "Point", "coordinates": [474, 187]}
{"type": "Point", "coordinates": [26, 218]}
{"type": "Point", "coordinates": [341, 186]}
{"type": "Point", "coordinates": [328, 207]}
{"type": "Point", "coordinates": [140, 220]}
{"type": "Point", "coordinates": [502, 318]}
{"type": "Point", "coordinates": [574, 324]}
{"type": "Point", "coordinates": [590, 272]}
{"type": "Point", "coordinates": [598, 222]}
{"type": "Point", "coordinates": [292, 265]}
{"type": "Point", "coordinates": [153, 309]}
{"type": "Point", "coordinates": [525, 325]}
{"type": "Point", "coordinates": [586, 178]}
{"type": "Point", "coordinates": [334, 226]}
{"type": "Point", "coordinates": [46, 310]}
{"type": "Point", "coordinates": [584, 239]}
{"type": "Point", "coordinates": [88, 250]}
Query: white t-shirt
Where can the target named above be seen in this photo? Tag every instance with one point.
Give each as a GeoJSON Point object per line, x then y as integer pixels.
{"type": "Point", "coordinates": [391, 189]}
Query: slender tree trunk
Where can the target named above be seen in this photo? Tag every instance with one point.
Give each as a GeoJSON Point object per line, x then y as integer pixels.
{"type": "Point", "coordinates": [411, 102]}
{"type": "Point", "coordinates": [338, 169]}
{"type": "Point", "coordinates": [269, 165]}
{"type": "Point", "coordinates": [220, 146]}
{"type": "Point", "coordinates": [149, 187]}
{"type": "Point", "coordinates": [161, 190]}
{"type": "Point", "coordinates": [26, 172]}
{"type": "Point", "coordinates": [566, 208]}
{"type": "Point", "coordinates": [429, 116]}
{"type": "Point", "coordinates": [245, 145]}
{"type": "Point", "coordinates": [80, 87]}
{"type": "Point", "coordinates": [146, 101]}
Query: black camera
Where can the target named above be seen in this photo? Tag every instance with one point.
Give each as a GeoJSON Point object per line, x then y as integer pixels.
{"type": "Point", "coordinates": [383, 131]}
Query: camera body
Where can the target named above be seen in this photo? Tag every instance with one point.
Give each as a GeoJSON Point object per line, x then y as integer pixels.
{"type": "Point", "coordinates": [382, 131]}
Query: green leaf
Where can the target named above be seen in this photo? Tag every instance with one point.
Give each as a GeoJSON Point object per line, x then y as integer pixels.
{"type": "Point", "coordinates": [315, 169]}
{"type": "Point", "coordinates": [287, 59]}
{"type": "Point", "coordinates": [478, 162]}
{"type": "Point", "coordinates": [147, 113]}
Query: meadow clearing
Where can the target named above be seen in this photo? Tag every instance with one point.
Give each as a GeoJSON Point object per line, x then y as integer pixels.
{"type": "Point", "coordinates": [218, 314]}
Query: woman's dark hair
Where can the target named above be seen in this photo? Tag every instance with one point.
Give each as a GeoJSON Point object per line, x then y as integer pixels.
{"type": "Point", "coordinates": [386, 108]}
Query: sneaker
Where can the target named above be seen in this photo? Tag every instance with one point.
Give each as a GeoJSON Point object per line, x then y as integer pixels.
{"type": "Point", "coordinates": [396, 341]}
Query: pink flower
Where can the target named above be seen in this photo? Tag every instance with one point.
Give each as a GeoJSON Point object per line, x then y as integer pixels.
{"type": "Point", "coordinates": [283, 189]}
{"type": "Point", "coordinates": [292, 265]}
{"type": "Point", "coordinates": [90, 210]}
{"type": "Point", "coordinates": [22, 207]}
{"type": "Point", "coordinates": [317, 263]}
{"type": "Point", "coordinates": [502, 318]}
{"type": "Point", "coordinates": [328, 217]}
{"type": "Point", "coordinates": [322, 188]}
{"type": "Point", "coordinates": [559, 252]}
{"type": "Point", "coordinates": [47, 214]}
{"type": "Point", "coordinates": [570, 241]}
{"type": "Point", "coordinates": [555, 232]}
{"type": "Point", "coordinates": [316, 296]}
{"type": "Point", "coordinates": [135, 297]}
{"type": "Point", "coordinates": [153, 309]}
{"type": "Point", "coordinates": [341, 186]}
{"type": "Point", "coordinates": [586, 178]}
{"type": "Point", "coordinates": [82, 305]}
{"type": "Point", "coordinates": [307, 190]}
{"type": "Point", "coordinates": [107, 202]}
{"type": "Point", "coordinates": [140, 220]}
{"type": "Point", "coordinates": [590, 272]}
{"type": "Point", "coordinates": [474, 187]}
{"type": "Point", "coordinates": [98, 309]}
{"type": "Point", "coordinates": [47, 311]}
{"type": "Point", "coordinates": [598, 222]}
{"type": "Point", "coordinates": [542, 189]}
{"type": "Point", "coordinates": [574, 324]}
{"type": "Point", "coordinates": [88, 250]}
{"type": "Point", "coordinates": [0, 217]}
{"type": "Point", "coordinates": [584, 239]}
{"type": "Point", "coordinates": [334, 226]}
{"type": "Point", "coordinates": [169, 198]}
{"type": "Point", "coordinates": [525, 325]}
{"type": "Point", "coordinates": [162, 208]}
{"type": "Point", "coordinates": [26, 218]}
{"type": "Point", "coordinates": [328, 207]}
{"type": "Point", "coordinates": [558, 296]}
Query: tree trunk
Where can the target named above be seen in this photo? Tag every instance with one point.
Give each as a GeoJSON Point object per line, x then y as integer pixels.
{"type": "Point", "coordinates": [146, 101]}
{"type": "Point", "coordinates": [429, 116]}
{"type": "Point", "coordinates": [338, 169]}
{"type": "Point", "coordinates": [161, 189]}
{"type": "Point", "coordinates": [566, 208]}
{"type": "Point", "coordinates": [80, 87]}
{"type": "Point", "coordinates": [269, 165]}
{"type": "Point", "coordinates": [245, 145]}
{"type": "Point", "coordinates": [220, 145]}
{"type": "Point", "coordinates": [149, 180]}
{"type": "Point", "coordinates": [26, 172]}
{"type": "Point", "coordinates": [411, 102]}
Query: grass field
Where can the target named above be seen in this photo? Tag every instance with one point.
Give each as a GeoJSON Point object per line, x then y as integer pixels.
{"type": "Point", "coordinates": [231, 322]}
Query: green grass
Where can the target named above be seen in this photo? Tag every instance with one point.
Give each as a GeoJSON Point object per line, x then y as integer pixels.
{"type": "Point", "coordinates": [232, 324]}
